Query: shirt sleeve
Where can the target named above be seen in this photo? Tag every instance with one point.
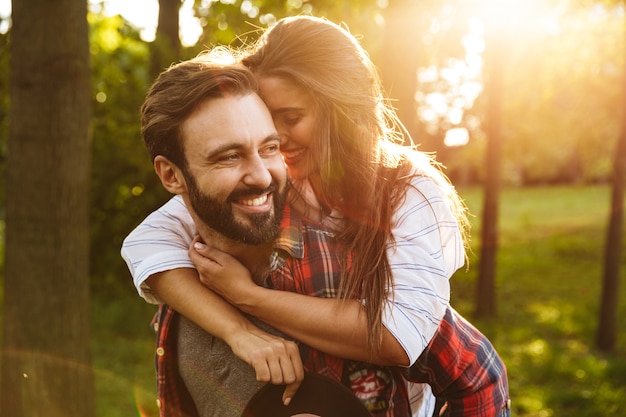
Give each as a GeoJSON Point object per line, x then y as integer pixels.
{"type": "Point", "coordinates": [428, 249]}
{"type": "Point", "coordinates": [160, 243]}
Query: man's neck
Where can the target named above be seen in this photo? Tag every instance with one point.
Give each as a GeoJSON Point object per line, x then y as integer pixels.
{"type": "Point", "coordinates": [254, 257]}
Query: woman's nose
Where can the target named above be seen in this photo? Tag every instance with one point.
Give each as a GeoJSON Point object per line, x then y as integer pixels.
{"type": "Point", "coordinates": [283, 138]}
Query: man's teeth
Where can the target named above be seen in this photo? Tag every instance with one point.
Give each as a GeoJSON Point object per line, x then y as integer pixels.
{"type": "Point", "coordinates": [255, 202]}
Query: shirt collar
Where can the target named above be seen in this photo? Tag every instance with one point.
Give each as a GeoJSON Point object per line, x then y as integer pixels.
{"type": "Point", "coordinates": [290, 239]}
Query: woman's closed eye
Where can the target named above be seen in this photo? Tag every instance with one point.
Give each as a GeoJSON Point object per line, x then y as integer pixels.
{"type": "Point", "coordinates": [289, 119]}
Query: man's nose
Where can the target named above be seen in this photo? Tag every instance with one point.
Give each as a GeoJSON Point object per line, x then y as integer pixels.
{"type": "Point", "coordinates": [258, 173]}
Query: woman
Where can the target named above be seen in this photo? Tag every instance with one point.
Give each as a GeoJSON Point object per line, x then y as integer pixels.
{"type": "Point", "coordinates": [341, 144]}
{"type": "Point", "coordinates": [400, 219]}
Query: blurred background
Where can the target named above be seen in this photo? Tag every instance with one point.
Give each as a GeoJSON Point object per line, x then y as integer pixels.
{"type": "Point", "coordinates": [522, 102]}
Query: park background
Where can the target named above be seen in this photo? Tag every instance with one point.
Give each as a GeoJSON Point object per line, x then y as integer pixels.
{"type": "Point", "coordinates": [522, 101]}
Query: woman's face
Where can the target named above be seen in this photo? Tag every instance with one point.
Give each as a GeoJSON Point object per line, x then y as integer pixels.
{"type": "Point", "coordinates": [293, 111]}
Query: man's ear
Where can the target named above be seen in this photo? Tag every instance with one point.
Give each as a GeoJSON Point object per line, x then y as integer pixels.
{"type": "Point", "coordinates": [170, 175]}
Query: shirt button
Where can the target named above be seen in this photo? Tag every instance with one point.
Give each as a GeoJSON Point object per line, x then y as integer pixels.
{"type": "Point", "coordinates": [160, 351]}
{"type": "Point", "coordinates": [156, 327]}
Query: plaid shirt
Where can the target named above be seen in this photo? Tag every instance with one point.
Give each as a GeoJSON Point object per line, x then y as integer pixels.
{"type": "Point", "coordinates": [313, 269]}
{"type": "Point", "coordinates": [173, 398]}
{"type": "Point", "coordinates": [460, 364]}
{"type": "Point", "coordinates": [463, 369]}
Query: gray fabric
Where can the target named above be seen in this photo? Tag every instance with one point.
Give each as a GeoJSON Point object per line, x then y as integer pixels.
{"type": "Point", "coordinates": [220, 383]}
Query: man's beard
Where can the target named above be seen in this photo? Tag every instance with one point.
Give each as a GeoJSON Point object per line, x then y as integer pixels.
{"type": "Point", "coordinates": [218, 215]}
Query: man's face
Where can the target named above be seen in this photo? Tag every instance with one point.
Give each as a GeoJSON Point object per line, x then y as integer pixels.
{"type": "Point", "coordinates": [235, 176]}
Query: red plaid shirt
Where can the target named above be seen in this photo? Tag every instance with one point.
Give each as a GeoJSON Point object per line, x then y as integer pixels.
{"type": "Point", "coordinates": [463, 369]}
{"type": "Point", "coordinates": [460, 364]}
{"type": "Point", "coordinates": [173, 398]}
{"type": "Point", "coordinates": [306, 260]}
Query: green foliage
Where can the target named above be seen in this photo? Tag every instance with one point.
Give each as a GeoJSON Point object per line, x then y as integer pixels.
{"type": "Point", "coordinates": [564, 114]}
{"type": "Point", "coordinates": [122, 169]}
{"type": "Point", "coordinates": [562, 70]}
{"type": "Point", "coordinates": [239, 22]}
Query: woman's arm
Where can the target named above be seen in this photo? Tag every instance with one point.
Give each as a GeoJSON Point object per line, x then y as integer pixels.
{"type": "Point", "coordinates": [266, 353]}
{"type": "Point", "coordinates": [157, 256]}
{"type": "Point", "coordinates": [331, 325]}
{"type": "Point", "coordinates": [428, 249]}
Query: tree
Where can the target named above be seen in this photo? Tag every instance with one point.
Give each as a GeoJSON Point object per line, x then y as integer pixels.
{"type": "Point", "coordinates": [46, 361]}
{"type": "Point", "coordinates": [607, 327]}
{"type": "Point", "coordinates": [165, 49]}
{"type": "Point", "coordinates": [494, 60]}
{"type": "Point", "coordinates": [121, 168]}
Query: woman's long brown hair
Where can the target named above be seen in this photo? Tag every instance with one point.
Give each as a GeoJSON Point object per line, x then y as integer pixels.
{"type": "Point", "coordinates": [363, 168]}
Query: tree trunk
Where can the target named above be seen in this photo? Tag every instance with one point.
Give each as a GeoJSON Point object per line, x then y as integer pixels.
{"type": "Point", "coordinates": [165, 49]}
{"type": "Point", "coordinates": [606, 337]}
{"type": "Point", "coordinates": [46, 361]}
{"type": "Point", "coordinates": [485, 290]}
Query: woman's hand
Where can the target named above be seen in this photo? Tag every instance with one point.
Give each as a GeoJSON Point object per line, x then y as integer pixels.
{"type": "Point", "coordinates": [273, 358]}
{"type": "Point", "coordinates": [221, 272]}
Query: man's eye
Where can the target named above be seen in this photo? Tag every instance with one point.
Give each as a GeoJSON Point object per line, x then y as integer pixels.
{"type": "Point", "coordinates": [230, 157]}
{"type": "Point", "coordinates": [271, 150]}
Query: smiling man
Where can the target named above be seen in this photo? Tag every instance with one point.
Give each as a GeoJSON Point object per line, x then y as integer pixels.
{"type": "Point", "coordinates": [214, 145]}
{"type": "Point", "coordinates": [232, 177]}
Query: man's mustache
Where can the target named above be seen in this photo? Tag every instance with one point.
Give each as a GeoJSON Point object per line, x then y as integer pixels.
{"type": "Point", "coordinates": [251, 192]}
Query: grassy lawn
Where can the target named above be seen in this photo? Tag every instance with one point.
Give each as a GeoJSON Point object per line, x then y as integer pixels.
{"type": "Point", "coordinates": [123, 356]}
{"type": "Point", "coordinates": [549, 273]}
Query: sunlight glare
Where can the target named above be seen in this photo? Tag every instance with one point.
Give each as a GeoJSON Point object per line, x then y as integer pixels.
{"type": "Point", "coordinates": [145, 17]}
{"type": "Point", "coordinates": [458, 136]}
{"type": "Point", "coordinates": [517, 18]}
{"type": "Point", "coordinates": [249, 9]}
{"type": "Point", "coordinates": [428, 75]}
{"type": "Point", "coordinates": [5, 14]}
{"type": "Point", "coordinates": [448, 92]}
{"type": "Point", "coordinates": [462, 78]}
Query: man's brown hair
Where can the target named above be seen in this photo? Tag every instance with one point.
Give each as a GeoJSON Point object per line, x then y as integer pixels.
{"type": "Point", "coordinates": [179, 90]}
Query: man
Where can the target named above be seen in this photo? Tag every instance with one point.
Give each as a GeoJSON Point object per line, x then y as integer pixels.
{"type": "Point", "coordinates": [213, 144]}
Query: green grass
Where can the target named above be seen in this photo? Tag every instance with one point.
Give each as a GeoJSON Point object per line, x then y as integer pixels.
{"type": "Point", "coordinates": [123, 355]}
{"type": "Point", "coordinates": [549, 273]}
